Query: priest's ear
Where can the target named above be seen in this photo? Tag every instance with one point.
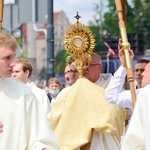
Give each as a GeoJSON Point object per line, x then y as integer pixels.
{"type": "Point", "coordinates": [100, 68]}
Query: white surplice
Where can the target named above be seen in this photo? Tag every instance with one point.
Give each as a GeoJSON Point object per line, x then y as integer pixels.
{"type": "Point", "coordinates": [25, 124]}
{"type": "Point", "coordinates": [104, 141]}
{"type": "Point", "coordinates": [138, 133]}
{"type": "Point", "coordinates": [41, 96]}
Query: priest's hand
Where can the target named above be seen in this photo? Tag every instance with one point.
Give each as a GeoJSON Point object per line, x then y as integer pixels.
{"type": "Point", "coordinates": [122, 55]}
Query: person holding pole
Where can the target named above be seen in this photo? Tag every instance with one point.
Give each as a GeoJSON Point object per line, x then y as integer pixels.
{"type": "Point", "coordinates": [114, 92]}
{"type": "Point", "coordinates": [138, 133]}
{"type": "Point", "coordinates": [125, 45]}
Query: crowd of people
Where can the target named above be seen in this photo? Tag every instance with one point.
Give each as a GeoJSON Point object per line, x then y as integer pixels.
{"type": "Point", "coordinates": [89, 113]}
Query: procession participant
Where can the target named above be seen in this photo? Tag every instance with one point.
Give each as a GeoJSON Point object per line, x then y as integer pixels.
{"type": "Point", "coordinates": [70, 74]}
{"type": "Point", "coordinates": [138, 133]}
{"type": "Point", "coordinates": [25, 124]}
{"type": "Point", "coordinates": [54, 87]}
{"type": "Point", "coordinates": [82, 119]}
{"type": "Point", "coordinates": [115, 93]}
{"type": "Point", "coordinates": [22, 70]}
{"type": "Point", "coordinates": [138, 70]}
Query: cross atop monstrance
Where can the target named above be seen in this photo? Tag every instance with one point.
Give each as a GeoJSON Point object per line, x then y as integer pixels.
{"type": "Point", "coordinates": [79, 43]}
{"type": "Point", "coordinates": [77, 17]}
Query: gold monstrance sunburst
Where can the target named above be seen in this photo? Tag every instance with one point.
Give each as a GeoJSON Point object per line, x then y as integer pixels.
{"type": "Point", "coordinates": [79, 43]}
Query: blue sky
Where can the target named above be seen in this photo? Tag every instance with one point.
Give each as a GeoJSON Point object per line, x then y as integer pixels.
{"type": "Point", "coordinates": [84, 7]}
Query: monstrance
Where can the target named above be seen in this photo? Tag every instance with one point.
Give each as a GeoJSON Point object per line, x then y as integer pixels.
{"type": "Point", "coordinates": [79, 43]}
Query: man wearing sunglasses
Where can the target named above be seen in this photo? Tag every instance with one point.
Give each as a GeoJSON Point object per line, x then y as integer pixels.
{"type": "Point", "coordinates": [70, 75]}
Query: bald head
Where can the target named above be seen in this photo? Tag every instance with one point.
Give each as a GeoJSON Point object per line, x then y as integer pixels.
{"type": "Point", "coordinates": [94, 69]}
{"type": "Point", "coordinates": [96, 59]}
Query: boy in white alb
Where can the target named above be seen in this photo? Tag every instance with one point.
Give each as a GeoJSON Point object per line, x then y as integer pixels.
{"type": "Point", "coordinates": [25, 125]}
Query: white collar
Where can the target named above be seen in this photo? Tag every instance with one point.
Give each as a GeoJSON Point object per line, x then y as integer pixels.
{"type": "Point", "coordinates": [99, 80]}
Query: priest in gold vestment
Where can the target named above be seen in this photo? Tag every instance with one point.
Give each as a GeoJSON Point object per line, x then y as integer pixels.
{"type": "Point", "coordinates": [82, 119]}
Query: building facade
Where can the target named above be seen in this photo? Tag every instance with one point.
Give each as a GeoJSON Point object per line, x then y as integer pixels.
{"type": "Point", "coordinates": [34, 43]}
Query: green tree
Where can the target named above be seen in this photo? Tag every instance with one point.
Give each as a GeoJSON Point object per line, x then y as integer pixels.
{"type": "Point", "coordinates": [19, 41]}
{"type": "Point", "coordinates": [137, 17]}
{"type": "Point", "coordinates": [97, 28]}
{"type": "Point", "coordinates": [98, 39]}
{"type": "Point", "coordinates": [141, 9]}
{"type": "Point", "coordinates": [110, 23]}
{"type": "Point", "coordinates": [60, 62]}
{"type": "Point", "coordinates": [42, 73]}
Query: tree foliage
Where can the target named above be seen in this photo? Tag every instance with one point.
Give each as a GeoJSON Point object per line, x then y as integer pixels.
{"type": "Point", "coordinates": [137, 19]}
{"type": "Point", "coordinates": [110, 23]}
{"type": "Point", "coordinates": [141, 9]}
{"type": "Point", "coordinates": [98, 39]}
{"type": "Point", "coordinates": [60, 62]}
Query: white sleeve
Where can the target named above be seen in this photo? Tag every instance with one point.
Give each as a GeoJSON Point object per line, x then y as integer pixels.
{"type": "Point", "coordinates": [114, 92]}
{"type": "Point", "coordinates": [38, 130]}
{"type": "Point", "coordinates": [137, 136]}
{"type": "Point", "coordinates": [46, 104]}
